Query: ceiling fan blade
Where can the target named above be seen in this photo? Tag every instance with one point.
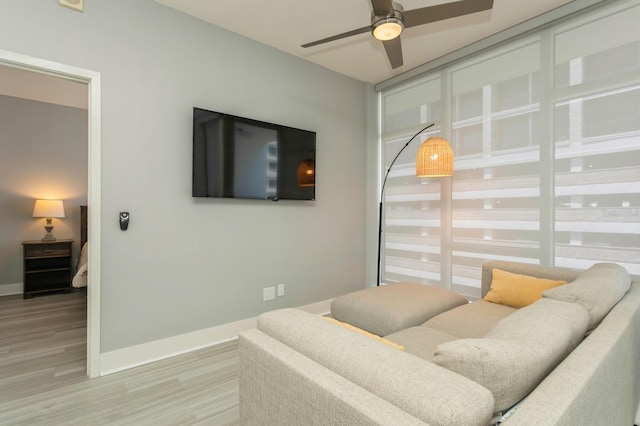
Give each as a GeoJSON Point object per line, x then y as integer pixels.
{"type": "Point", "coordinates": [382, 7]}
{"type": "Point", "coordinates": [339, 36]}
{"type": "Point", "coordinates": [426, 15]}
{"type": "Point", "coordinates": [394, 52]}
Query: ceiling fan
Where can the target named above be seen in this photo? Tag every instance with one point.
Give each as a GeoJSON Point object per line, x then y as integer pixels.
{"type": "Point", "coordinates": [389, 19]}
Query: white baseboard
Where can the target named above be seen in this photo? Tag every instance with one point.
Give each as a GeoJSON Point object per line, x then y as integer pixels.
{"type": "Point", "coordinates": [134, 356]}
{"type": "Point", "coordinates": [10, 289]}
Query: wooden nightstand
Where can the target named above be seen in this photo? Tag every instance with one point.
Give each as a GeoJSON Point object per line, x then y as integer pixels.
{"type": "Point", "coordinates": [47, 266]}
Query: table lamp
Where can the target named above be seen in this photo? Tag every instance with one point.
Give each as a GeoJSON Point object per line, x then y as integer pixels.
{"type": "Point", "coordinates": [48, 209]}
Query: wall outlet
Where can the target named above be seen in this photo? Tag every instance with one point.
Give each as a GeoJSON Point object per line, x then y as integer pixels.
{"type": "Point", "coordinates": [280, 290]}
{"type": "Point", "coordinates": [268, 293]}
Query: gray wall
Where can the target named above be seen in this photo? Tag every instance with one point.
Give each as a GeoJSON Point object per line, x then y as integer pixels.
{"type": "Point", "coordinates": [43, 154]}
{"type": "Point", "coordinates": [187, 264]}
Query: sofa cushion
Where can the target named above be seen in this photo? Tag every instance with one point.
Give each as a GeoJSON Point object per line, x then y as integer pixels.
{"type": "Point", "coordinates": [597, 289]}
{"type": "Point", "coordinates": [420, 341]}
{"type": "Point", "coordinates": [550, 273]}
{"type": "Point", "coordinates": [393, 307]}
{"type": "Point", "coordinates": [517, 290]}
{"type": "Point", "coordinates": [519, 351]}
{"type": "Point", "coordinates": [423, 389]}
{"type": "Point", "coordinates": [471, 320]}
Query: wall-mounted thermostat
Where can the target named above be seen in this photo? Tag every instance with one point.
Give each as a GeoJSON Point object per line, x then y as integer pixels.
{"type": "Point", "coordinates": [124, 220]}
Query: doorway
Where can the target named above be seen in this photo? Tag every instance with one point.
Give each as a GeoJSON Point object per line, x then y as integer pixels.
{"type": "Point", "coordinates": [92, 80]}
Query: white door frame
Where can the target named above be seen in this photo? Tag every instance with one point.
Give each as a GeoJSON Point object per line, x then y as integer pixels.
{"type": "Point", "coordinates": [92, 79]}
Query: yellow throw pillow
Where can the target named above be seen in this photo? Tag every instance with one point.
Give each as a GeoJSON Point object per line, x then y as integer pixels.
{"type": "Point", "coordinates": [365, 333]}
{"type": "Point", "coordinates": [517, 290]}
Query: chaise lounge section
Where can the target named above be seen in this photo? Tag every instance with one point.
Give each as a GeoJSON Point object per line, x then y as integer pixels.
{"type": "Point", "coordinates": [459, 363]}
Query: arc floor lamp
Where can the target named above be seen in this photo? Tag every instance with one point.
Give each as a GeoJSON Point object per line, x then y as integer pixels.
{"type": "Point", "coordinates": [434, 159]}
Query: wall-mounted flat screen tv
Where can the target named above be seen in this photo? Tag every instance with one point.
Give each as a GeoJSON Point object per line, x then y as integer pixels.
{"type": "Point", "coordinates": [236, 157]}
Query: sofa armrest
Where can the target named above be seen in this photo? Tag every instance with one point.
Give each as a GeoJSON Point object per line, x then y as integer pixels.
{"type": "Point", "coordinates": [431, 393]}
{"type": "Point", "coordinates": [279, 386]}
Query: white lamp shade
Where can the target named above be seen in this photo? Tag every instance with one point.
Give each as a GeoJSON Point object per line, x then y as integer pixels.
{"type": "Point", "coordinates": [48, 208]}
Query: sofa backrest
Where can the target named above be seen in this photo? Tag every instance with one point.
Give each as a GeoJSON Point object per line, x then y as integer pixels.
{"type": "Point", "coordinates": [598, 290]}
{"type": "Point", "coordinates": [519, 351]}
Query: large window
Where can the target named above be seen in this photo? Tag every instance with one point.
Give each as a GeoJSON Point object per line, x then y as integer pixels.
{"type": "Point", "coordinates": [546, 135]}
{"type": "Point", "coordinates": [412, 225]}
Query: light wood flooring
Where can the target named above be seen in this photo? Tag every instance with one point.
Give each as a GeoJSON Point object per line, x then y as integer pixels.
{"type": "Point", "coordinates": [43, 374]}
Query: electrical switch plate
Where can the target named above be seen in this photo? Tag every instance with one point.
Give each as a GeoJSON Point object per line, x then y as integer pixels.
{"type": "Point", "coordinates": [268, 293]}
{"type": "Point", "coordinates": [73, 4]}
{"type": "Point", "coordinates": [280, 290]}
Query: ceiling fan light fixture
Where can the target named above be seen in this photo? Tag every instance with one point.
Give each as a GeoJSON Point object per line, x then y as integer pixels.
{"type": "Point", "coordinates": [388, 27]}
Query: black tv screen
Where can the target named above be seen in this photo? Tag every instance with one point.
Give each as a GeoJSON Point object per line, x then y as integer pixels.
{"type": "Point", "coordinates": [236, 157]}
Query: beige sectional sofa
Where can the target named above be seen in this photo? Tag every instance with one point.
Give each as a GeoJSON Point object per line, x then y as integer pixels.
{"type": "Point", "coordinates": [571, 357]}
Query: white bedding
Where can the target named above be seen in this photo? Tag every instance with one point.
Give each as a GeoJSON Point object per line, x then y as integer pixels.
{"type": "Point", "coordinates": [80, 278]}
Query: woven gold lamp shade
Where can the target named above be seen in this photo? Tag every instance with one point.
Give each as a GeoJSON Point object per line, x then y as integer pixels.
{"type": "Point", "coordinates": [434, 158]}
{"type": "Point", "coordinates": [307, 173]}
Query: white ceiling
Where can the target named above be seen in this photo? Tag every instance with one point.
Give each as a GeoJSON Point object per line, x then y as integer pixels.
{"type": "Point", "coordinates": [286, 24]}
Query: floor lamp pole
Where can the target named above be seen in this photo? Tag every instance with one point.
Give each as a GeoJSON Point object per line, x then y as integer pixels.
{"type": "Point", "coordinates": [384, 182]}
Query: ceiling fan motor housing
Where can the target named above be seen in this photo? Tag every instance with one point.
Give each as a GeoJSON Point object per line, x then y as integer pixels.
{"type": "Point", "coordinates": [388, 27]}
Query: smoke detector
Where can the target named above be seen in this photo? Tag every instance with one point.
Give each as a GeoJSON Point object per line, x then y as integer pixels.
{"type": "Point", "coordinates": [73, 4]}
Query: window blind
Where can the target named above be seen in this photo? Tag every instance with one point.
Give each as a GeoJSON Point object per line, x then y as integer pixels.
{"type": "Point", "coordinates": [546, 136]}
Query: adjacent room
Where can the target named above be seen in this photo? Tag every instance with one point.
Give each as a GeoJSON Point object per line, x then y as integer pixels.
{"type": "Point", "coordinates": [182, 182]}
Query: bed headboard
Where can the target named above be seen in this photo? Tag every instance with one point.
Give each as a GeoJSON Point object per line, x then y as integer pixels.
{"type": "Point", "coordinates": [83, 225]}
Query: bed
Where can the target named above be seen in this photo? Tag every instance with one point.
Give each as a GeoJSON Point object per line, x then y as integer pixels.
{"type": "Point", "coordinates": [80, 277]}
